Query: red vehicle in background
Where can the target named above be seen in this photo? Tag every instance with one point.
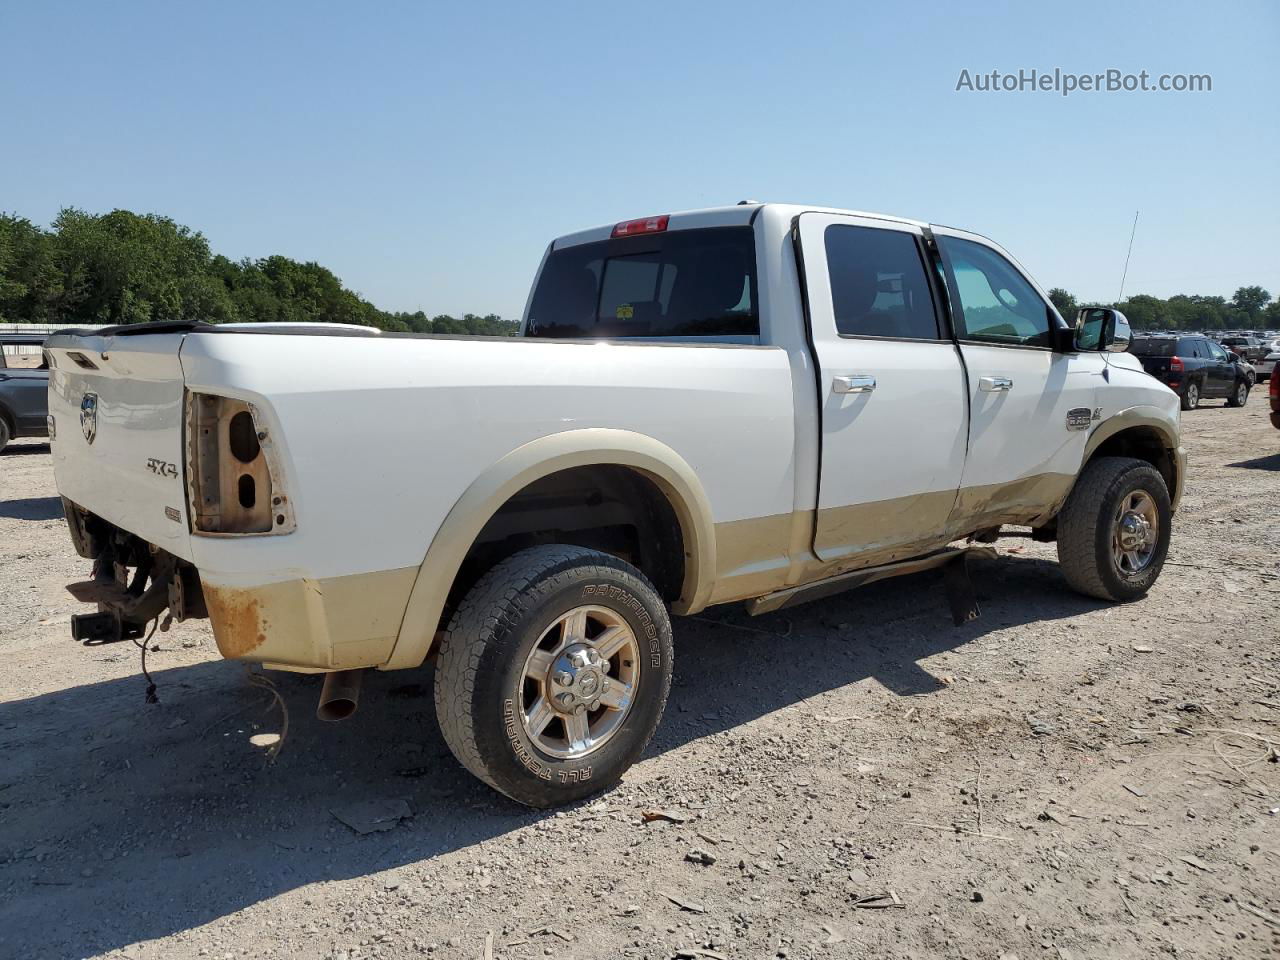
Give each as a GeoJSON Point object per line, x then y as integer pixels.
{"type": "Point", "coordinates": [1274, 396]}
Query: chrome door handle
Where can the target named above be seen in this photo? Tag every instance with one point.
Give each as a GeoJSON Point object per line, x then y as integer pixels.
{"type": "Point", "coordinates": [995, 384]}
{"type": "Point", "coordinates": [859, 383]}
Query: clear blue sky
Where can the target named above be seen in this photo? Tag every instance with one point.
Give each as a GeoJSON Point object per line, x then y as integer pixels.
{"type": "Point", "coordinates": [427, 152]}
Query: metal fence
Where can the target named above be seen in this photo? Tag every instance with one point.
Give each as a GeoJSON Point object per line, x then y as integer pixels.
{"type": "Point", "coordinates": [28, 350]}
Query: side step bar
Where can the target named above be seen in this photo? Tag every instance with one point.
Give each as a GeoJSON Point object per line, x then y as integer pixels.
{"type": "Point", "coordinates": [959, 591]}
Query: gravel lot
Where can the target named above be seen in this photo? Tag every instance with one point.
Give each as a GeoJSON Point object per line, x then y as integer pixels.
{"type": "Point", "coordinates": [852, 778]}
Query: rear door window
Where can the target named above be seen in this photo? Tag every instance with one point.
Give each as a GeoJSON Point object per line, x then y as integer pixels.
{"type": "Point", "coordinates": [879, 287]}
{"type": "Point", "coordinates": [683, 283]}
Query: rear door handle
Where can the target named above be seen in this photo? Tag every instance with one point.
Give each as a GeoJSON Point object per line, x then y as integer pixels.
{"type": "Point", "coordinates": [995, 384]}
{"type": "Point", "coordinates": [858, 383]}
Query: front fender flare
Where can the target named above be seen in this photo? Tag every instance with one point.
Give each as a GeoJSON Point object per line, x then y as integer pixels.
{"type": "Point", "coordinates": [534, 460]}
{"type": "Point", "coordinates": [1150, 417]}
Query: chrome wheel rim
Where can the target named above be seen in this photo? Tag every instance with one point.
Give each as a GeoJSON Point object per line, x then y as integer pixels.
{"type": "Point", "coordinates": [1241, 393]}
{"type": "Point", "coordinates": [1135, 533]}
{"type": "Point", "coordinates": [1193, 396]}
{"type": "Point", "coordinates": [579, 682]}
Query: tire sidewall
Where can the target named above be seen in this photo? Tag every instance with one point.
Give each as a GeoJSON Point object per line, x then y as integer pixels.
{"type": "Point", "coordinates": [518, 766]}
{"type": "Point", "coordinates": [5, 434]}
{"type": "Point", "coordinates": [1149, 480]}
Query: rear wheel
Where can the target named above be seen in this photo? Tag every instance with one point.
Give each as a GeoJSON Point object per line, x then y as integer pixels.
{"type": "Point", "coordinates": [1113, 531]}
{"type": "Point", "coordinates": [1191, 396]}
{"type": "Point", "coordinates": [1239, 396]}
{"type": "Point", "coordinates": [5, 435]}
{"type": "Point", "coordinates": [553, 673]}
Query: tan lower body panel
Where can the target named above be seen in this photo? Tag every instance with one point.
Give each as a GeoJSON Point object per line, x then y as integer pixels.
{"type": "Point", "coordinates": [346, 622]}
{"type": "Point", "coordinates": [332, 624]}
{"type": "Point", "coordinates": [759, 556]}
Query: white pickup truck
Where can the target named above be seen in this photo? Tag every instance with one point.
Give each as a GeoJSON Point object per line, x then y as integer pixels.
{"type": "Point", "coordinates": [758, 403]}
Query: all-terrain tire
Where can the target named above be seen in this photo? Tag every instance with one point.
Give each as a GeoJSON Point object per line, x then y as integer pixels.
{"type": "Point", "coordinates": [1239, 395]}
{"type": "Point", "coordinates": [481, 670]}
{"type": "Point", "coordinates": [1190, 396]}
{"type": "Point", "coordinates": [1087, 521]}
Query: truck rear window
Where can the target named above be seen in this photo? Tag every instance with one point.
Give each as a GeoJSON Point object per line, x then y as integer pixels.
{"type": "Point", "coordinates": [685, 283]}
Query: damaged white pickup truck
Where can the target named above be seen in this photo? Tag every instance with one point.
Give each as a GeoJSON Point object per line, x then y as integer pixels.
{"type": "Point", "coordinates": [757, 403]}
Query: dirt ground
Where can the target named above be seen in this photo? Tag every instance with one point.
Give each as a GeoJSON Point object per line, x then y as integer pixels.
{"type": "Point", "coordinates": [853, 778]}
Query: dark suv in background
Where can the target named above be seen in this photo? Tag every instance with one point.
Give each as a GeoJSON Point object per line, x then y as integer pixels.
{"type": "Point", "coordinates": [1193, 367]}
{"type": "Point", "coordinates": [24, 390]}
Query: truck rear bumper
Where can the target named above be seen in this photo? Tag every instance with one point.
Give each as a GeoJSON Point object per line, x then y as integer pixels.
{"type": "Point", "coordinates": [309, 625]}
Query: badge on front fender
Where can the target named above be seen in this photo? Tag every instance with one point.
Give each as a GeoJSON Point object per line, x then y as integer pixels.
{"type": "Point", "coordinates": [1079, 418]}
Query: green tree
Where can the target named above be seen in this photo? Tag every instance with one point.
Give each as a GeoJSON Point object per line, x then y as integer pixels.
{"type": "Point", "coordinates": [1251, 300]}
{"type": "Point", "coordinates": [1065, 304]}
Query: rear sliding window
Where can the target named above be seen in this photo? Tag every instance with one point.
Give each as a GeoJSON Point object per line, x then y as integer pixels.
{"type": "Point", "coordinates": [686, 283]}
{"type": "Point", "coordinates": [1152, 348]}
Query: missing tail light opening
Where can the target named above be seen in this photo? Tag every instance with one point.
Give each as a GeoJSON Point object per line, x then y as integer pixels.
{"type": "Point", "coordinates": [232, 472]}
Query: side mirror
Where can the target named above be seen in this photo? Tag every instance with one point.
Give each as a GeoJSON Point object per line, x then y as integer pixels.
{"type": "Point", "coordinates": [1102, 328]}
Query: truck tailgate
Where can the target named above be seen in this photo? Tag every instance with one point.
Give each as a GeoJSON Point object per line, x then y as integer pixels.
{"type": "Point", "coordinates": [117, 408]}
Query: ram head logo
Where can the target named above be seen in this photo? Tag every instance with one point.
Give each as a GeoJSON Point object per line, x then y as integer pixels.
{"type": "Point", "coordinates": [89, 416]}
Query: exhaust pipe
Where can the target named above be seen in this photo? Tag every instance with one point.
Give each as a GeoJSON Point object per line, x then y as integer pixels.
{"type": "Point", "coordinates": [340, 695]}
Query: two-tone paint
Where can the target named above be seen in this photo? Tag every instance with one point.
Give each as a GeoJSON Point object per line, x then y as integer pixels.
{"type": "Point", "coordinates": [395, 450]}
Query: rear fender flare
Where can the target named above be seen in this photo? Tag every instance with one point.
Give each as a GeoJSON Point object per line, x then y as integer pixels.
{"type": "Point", "coordinates": [537, 459]}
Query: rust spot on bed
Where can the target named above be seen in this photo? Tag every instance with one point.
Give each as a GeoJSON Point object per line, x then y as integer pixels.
{"type": "Point", "coordinates": [238, 626]}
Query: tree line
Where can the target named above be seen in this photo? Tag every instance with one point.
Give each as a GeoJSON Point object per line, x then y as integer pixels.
{"type": "Point", "coordinates": [122, 267]}
{"type": "Point", "coordinates": [1250, 308]}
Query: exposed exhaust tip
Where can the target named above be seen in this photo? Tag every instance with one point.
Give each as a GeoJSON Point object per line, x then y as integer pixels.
{"type": "Point", "coordinates": [340, 695]}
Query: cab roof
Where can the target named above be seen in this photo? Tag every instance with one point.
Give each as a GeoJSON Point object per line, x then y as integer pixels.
{"type": "Point", "coordinates": [739, 214]}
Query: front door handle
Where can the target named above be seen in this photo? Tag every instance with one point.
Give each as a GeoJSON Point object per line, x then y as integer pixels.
{"type": "Point", "coordinates": [995, 384]}
{"type": "Point", "coordinates": [858, 383]}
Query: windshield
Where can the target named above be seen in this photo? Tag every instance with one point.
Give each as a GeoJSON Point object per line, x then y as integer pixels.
{"type": "Point", "coordinates": [686, 283]}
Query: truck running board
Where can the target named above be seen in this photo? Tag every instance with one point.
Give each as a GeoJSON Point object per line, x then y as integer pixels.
{"type": "Point", "coordinates": [960, 593]}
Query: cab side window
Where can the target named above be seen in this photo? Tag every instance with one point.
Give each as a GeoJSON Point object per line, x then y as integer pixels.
{"type": "Point", "coordinates": [992, 301]}
{"type": "Point", "coordinates": [879, 287]}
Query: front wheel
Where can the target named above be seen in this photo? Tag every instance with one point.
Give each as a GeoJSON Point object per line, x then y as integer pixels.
{"type": "Point", "coordinates": [1113, 531]}
{"type": "Point", "coordinates": [4, 434]}
{"type": "Point", "coordinates": [1239, 396]}
{"type": "Point", "coordinates": [553, 673]}
{"type": "Point", "coordinates": [1190, 397]}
